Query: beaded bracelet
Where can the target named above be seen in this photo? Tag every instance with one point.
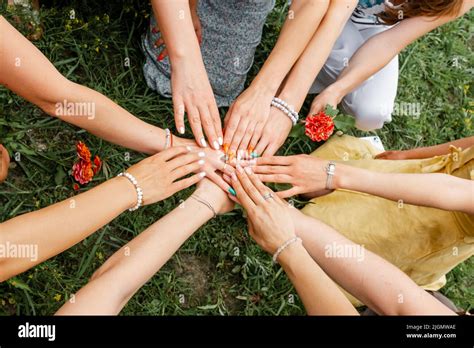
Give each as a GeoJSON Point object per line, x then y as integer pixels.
{"type": "Point", "coordinates": [134, 181]}
{"type": "Point", "coordinates": [284, 246]}
{"type": "Point", "coordinates": [285, 108]}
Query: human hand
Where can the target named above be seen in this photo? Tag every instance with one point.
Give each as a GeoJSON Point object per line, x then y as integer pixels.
{"type": "Point", "coordinates": [5, 162]}
{"type": "Point", "coordinates": [270, 222]}
{"type": "Point", "coordinates": [158, 175]}
{"type": "Point", "coordinates": [217, 198]}
{"type": "Point", "coordinates": [329, 96]}
{"type": "Point", "coordinates": [246, 118]}
{"type": "Point", "coordinates": [192, 93]}
{"type": "Point", "coordinates": [274, 134]}
{"type": "Point", "coordinates": [307, 174]}
{"type": "Point", "coordinates": [392, 155]}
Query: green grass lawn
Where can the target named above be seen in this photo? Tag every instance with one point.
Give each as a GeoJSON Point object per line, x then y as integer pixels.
{"type": "Point", "coordinates": [220, 270]}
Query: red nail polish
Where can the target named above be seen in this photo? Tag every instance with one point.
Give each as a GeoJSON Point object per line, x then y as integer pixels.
{"type": "Point", "coordinates": [154, 30]}
{"type": "Point", "coordinates": [160, 57]}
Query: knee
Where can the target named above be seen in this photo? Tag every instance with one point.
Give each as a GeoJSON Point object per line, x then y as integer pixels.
{"type": "Point", "coordinates": [372, 115]}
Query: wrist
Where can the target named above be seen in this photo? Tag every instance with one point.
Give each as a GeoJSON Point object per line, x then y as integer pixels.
{"type": "Point", "coordinates": [287, 257]}
{"type": "Point", "coordinates": [217, 201]}
{"type": "Point", "coordinates": [337, 90]}
{"type": "Point", "coordinates": [126, 192]}
{"type": "Point", "coordinates": [267, 86]}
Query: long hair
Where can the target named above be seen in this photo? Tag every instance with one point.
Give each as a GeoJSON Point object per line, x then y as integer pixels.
{"type": "Point", "coordinates": [421, 8]}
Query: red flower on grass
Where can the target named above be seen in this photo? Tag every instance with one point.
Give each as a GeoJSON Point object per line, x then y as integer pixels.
{"type": "Point", "coordinates": [319, 127]}
{"type": "Point", "coordinates": [84, 169]}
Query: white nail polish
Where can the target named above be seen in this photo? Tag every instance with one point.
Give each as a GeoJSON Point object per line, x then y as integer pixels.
{"type": "Point", "coordinates": [202, 154]}
{"type": "Point", "coordinates": [181, 130]}
{"type": "Point", "coordinates": [216, 145]}
{"type": "Point", "coordinates": [202, 174]}
{"type": "Point", "coordinates": [220, 140]}
{"type": "Point", "coordinates": [203, 142]}
{"type": "Point", "coordinates": [188, 148]}
{"type": "Point", "coordinates": [201, 162]}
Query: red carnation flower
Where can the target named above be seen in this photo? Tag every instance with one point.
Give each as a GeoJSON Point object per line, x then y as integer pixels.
{"type": "Point", "coordinates": [319, 127]}
{"type": "Point", "coordinates": [83, 151]}
{"type": "Point", "coordinates": [84, 169]}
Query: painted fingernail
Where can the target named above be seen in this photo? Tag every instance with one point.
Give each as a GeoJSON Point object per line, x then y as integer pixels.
{"type": "Point", "coordinates": [250, 148]}
{"type": "Point", "coordinates": [201, 162]}
{"type": "Point", "coordinates": [203, 142]}
{"type": "Point", "coordinates": [189, 148]}
{"type": "Point", "coordinates": [161, 57]}
{"type": "Point", "coordinates": [232, 191]}
{"type": "Point", "coordinates": [240, 169]}
{"type": "Point", "coordinates": [154, 30]}
{"type": "Point", "coordinates": [216, 145]}
{"type": "Point", "coordinates": [181, 130]}
{"type": "Point", "coordinates": [220, 140]}
{"type": "Point", "coordinates": [226, 148]}
{"type": "Point", "coordinates": [248, 170]}
{"type": "Point", "coordinates": [202, 154]}
{"type": "Point", "coordinates": [202, 174]}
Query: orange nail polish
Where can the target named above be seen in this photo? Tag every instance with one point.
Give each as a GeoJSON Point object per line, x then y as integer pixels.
{"type": "Point", "coordinates": [226, 148]}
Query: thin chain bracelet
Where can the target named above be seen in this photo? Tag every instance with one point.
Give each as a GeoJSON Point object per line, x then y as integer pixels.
{"type": "Point", "coordinates": [206, 203]}
{"type": "Point", "coordinates": [284, 246]}
{"type": "Point", "coordinates": [134, 181]}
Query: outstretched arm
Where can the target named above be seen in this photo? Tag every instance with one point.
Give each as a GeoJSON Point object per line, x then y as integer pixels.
{"type": "Point", "coordinates": [27, 72]}
{"type": "Point", "coordinates": [377, 283]}
{"type": "Point", "coordinates": [53, 229]}
{"type": "Point", "coordinates": [123, 274]}
{"type": "Point", "coordinates": [428, 151]}
{"type": "Point", "coordinates": [307, 175]}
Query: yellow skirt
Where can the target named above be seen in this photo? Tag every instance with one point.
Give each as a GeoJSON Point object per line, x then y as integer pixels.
{"type": "Point", "coordinates": [425, 243]}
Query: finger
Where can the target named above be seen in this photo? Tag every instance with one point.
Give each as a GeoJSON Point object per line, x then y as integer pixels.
{"type": "Point", "coordinates": [227, 169]}
{"type": "Point", "coordinates": [288, 193]}
{"type": "Point", "coordinates": [227, 178]}
{"type": "Point", "coordinates": [276, 178]}
{"type": "Point", "coordinates": [208, 125]}
{"type": "Point", "coordinates": [193, 167]}
{"type": "Point", "coordinates": [217, 179]}
{"type": "Point", "coordinates": [262, 144]}
{"type": "Point", "coordinates": [232, 122]}
{"type": "Point", "coordinates": [195, 121]}
{"type": "Point", "coordinates": [257, 183]}
{"type": "Point", "coordinates": [271, 169]}
{"type": "Point", "coordinates": [216, 118]}
{"type": "Point", "coordinates": [185, 183]}
{"type": "Point", "coordinates": [178, 107]}
{"type": "Point", "coordinates": [182, 160]}
{"type": "Point", "coordinates": [382, 155]}
{"type": "Point", "coordinates": [163, 54]}
{"type": "Point", "coordinates": [316, 108]}
{"type": "Point", "coordinates": [249, 187]}
{"type": "Point", "coordinates": [257, 134]}
{"type": "Point", "coordinates": [227, 118]}
{"type": "Point", "coordinates": [239, 133]}
{"type": "Point", "coordinates": [271, 149]}
{"type": "Point", "coordinates": [170, 153]}
{"type": "Point", "coordinates": [244, 144]}
{"type": "Point", "coordinates": [275, 160]}
{"type": "Point", "coordinates": [243, 198]}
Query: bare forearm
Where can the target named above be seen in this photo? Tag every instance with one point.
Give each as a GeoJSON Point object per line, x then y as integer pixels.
{"type": "Point", "coordinates": [319, 293]}
{"type": "Point", "coordinates": [135, 263]}
{"type": "Point", "coordinates": [56, 228]}
{"type": "Point", "coordinates": [176, 26]}
{"type": "Point", "coordinates": [438, 150]}
{"type": "Point", "coordinates": [371, 279]}
{"type": "Point", "coordinates": [440, 191]}
{"type": "Point", "coordinates": [295, 35]}
{"type": "Point", "coordinates": [303, 74]}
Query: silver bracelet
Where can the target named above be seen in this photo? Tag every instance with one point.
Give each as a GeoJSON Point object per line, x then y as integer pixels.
{"type": "Point", "coordinates": [168, 138]}
{"type": "Point", "coordinates": [206, 203]}
{"type": "Point", "coordinates": [284, 246]}
{"type": "Point", "coordinates": [134, 181]}
{"type": "Point", "coordinates": [285, 108]}
{"type": "Point", "coordinates": [330, 171]}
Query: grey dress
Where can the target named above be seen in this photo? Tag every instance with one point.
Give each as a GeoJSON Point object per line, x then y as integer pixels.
{"type": "Point", "coordinates": [231, 31]}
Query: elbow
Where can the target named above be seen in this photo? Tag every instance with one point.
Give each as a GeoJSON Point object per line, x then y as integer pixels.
{"type": "Point", "coordinates": [52, 103]}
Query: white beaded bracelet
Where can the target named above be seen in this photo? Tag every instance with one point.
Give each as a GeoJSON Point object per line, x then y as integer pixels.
{"type": "Point", "coordinates": [285, 108]}
{"type": "Point", "coordinates": [284, 246]}
{"type": "Point", "coordinates": [134, 181]}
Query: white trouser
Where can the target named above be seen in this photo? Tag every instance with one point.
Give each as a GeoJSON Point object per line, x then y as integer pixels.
{"type": "Point", "coordinates": [372, 103]}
